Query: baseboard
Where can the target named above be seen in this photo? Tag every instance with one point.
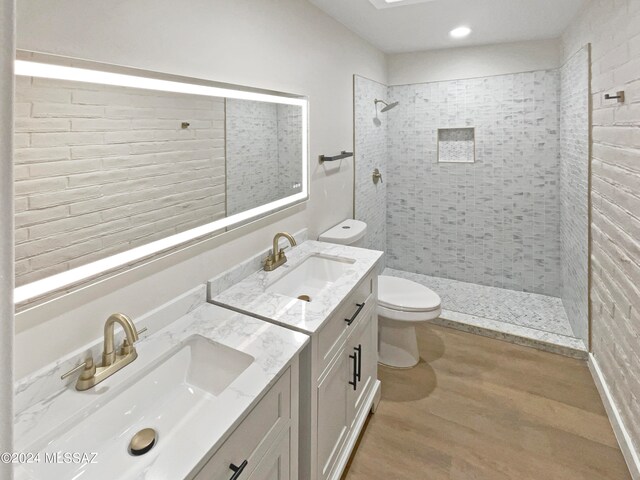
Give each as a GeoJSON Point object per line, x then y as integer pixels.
{"type": "Point", "coordinates": [622, 435]}
{"type": "Point", "coordinates": [376, 397]}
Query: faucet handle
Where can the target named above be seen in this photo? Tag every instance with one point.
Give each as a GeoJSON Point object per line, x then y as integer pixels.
{"type": "Point", "coordinates": [88, 369]}
{"type": "Point", "coordinates": [268, 262]}
{"type": "Point", "coordinates": [126, 347]}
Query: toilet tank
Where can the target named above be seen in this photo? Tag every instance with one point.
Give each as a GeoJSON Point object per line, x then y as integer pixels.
{"type": "Point", "coordinates": [350, 232]}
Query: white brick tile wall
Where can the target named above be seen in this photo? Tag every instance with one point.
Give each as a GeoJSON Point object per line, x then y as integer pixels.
{"type": "Point", "coordinates": [613, 28]}
{"type": "Point", "coordinates": [100, 169]}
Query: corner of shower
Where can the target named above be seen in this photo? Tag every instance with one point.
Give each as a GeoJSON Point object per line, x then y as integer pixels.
{"type": "Point", "coordinates": [478, 228]}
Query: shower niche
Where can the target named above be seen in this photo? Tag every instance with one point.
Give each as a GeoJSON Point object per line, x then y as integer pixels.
{"type": "Point", "coordinates": [456, 145]}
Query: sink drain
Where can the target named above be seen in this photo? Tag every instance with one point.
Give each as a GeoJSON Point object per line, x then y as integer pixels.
{"type": "Point", "coordinates": [305, 298]}
{"type": "Point", "coordinates": [142, 442]}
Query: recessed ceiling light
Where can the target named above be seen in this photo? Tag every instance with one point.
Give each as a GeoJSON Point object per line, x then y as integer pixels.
{"type": "Point", "coordinates": [460, 32]}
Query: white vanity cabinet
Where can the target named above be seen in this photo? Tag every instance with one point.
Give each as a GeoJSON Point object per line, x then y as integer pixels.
{"type": "Point", "coordinates": [343, 385]}
{"type": "Point", "coordinates": [328, 292]}
{"type": "Point", "coordinates": [264, 446]}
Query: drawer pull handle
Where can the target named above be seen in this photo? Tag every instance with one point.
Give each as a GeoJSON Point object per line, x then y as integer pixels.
{"type": "Point", "coordinates": [354, 316]}
{"type": "Point", "coordinates": [354, 382]}
{"type": "Point", "coordinates": [358, 350]}
{"type": "Point", "coordinates": [237, 471]}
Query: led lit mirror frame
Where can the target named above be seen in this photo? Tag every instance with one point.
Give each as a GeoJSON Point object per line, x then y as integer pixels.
{"type": "Point", "coordinates": [61, 68]}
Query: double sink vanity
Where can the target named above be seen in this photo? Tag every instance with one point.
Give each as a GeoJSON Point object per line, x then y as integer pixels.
{"type": "Point", "coordinates": [267, 370]}
{"type": "Point", "coordinates": [263, 375]}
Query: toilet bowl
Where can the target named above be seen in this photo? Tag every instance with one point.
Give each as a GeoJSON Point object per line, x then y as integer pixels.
{"type": "Point", "coordinates": [402, 304]}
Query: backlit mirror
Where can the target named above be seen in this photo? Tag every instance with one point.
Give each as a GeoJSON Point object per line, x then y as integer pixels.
{"type": "Point", "coordinates": [114, 165]}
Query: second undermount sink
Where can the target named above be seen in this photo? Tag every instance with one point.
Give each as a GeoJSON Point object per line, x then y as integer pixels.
{"type": "Point", "coordinates": [182, 387]}
{"type": "Point", "coordinates": [308, 279]}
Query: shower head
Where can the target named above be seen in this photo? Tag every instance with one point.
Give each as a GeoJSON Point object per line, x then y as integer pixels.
{"type": "Point", "coordinates": [387, 107]}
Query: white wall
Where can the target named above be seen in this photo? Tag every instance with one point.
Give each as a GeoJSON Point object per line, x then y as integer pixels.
{"type": "Point", "coordinates": [7, 40]}
{"type": "Point", "coordinates": [288, 45]}
{"type": "Point", "coordinates": [472, 62]}
{"type": "Point", "coordinates": [613, 29]}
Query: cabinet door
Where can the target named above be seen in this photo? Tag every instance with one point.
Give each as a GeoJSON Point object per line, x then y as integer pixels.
{"type": "Point", "coordinates": [254, 437]}
{"type": "Point", "coordinates": [333, 423]}
{"type": "Point", "coordinates": [276, 463]}
{"type": "Point", "coordinates": [363, 345]}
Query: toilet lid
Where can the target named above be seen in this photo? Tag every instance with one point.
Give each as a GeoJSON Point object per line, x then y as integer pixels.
{"type": "Point", "coordinates": [402, 294]}
{"type": "Point", "coordinates": [345, 233]}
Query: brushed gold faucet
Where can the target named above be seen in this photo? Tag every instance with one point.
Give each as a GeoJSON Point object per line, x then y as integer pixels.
{"type": "Point", "coordinates": [277, 256]}
{"type": "Point", "coordinates": [112, 361]}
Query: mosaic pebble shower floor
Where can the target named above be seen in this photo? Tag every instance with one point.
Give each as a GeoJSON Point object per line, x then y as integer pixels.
{"type": "Point", "coordinates": [531, 319]}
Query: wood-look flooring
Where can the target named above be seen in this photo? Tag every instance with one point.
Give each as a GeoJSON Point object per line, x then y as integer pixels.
{"type": "Point", "coordinates": [476, 408]}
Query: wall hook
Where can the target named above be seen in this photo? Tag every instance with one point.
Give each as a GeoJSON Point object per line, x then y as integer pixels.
{"type": "Point", "coordinates": [619, 96]}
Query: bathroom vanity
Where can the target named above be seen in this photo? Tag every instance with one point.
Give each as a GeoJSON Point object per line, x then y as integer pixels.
{"type": "Point", "coordinates": [218, 389]}
{"type": "Point", "coordinates": [328, 292]}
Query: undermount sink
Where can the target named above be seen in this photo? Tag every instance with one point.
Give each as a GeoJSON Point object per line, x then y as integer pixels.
{"type": "Point", "coordinates": [311, 277]}
{"type": "Point", "coordinates": [167, 396]}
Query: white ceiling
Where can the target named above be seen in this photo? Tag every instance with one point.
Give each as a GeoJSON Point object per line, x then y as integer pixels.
{"type": "Point", "coordinates": [424, 26]}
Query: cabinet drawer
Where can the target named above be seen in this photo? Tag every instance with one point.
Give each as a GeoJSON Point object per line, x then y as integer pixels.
{"type": "Point", "coordinates": [254, 436]}
{"type": "Point", "coordinates": [334, 332]}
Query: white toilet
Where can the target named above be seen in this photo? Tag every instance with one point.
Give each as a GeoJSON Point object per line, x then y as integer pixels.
{"type": "Point", "coordinates": [401, 304]}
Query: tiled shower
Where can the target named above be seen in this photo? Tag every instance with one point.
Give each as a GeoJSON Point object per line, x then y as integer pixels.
{"type": "Point", "coordinates": [484, 197]}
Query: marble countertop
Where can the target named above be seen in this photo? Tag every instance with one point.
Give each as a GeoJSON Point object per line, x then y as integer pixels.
{"type": "Point", "coordinates": [39, 424]}
{"type": "Point", "coordinates": [251, 296]}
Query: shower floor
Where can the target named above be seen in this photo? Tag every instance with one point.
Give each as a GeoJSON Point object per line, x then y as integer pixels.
{"type": "Point", "coordinates": [524, 318]}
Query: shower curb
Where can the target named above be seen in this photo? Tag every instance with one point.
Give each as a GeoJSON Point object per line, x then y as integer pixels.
{"type": "Point", "coordinates": [528, 337]}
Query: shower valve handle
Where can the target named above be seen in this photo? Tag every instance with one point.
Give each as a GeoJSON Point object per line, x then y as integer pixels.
{"type": "Point", "coordinates": [377, 176]}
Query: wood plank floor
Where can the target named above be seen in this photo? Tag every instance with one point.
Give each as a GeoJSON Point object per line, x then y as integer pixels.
{"type": "Point", "coordinates": [476, 408]}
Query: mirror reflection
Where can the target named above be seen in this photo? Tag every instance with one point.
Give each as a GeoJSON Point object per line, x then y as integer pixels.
{"type": "Point", "coordinates": [101, 169]}
{"type": "Point", "coordinates": [263, 153]}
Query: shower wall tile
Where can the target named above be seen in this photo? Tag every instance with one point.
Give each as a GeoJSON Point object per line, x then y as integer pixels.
{"type": "Point", "coordinates": [263, 154]}
{"type": "Point", "coordinates": [289, 149]}
{"type": "Point", "coordinates": [370, 153]}
{"type": "Point", "coordinates": [252, 154]}
{"type": "Point", "coordinates": [496, 221]}
{"type": "Point", "coordinates": [574, 190]}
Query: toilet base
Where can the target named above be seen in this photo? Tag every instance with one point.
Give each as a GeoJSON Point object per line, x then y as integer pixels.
{"type": "Point", "coordinates": [398, 343]}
